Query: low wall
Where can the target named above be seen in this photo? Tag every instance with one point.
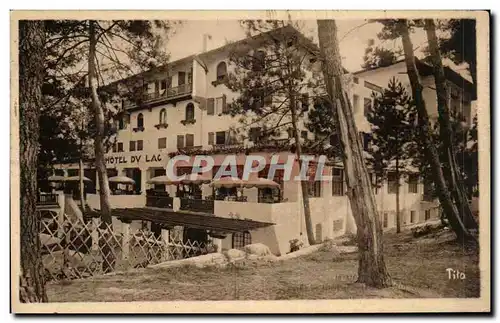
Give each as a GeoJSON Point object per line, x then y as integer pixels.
{"type": "Point", "coordinates": [117, 201]}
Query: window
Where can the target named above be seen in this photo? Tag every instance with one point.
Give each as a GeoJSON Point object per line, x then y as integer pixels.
{"type": "Point", "coordinates": [121, 123]}
{"type": "Point", "coordinates": [163, 116]}
{"type": "Point", "coordinates": [413, 183]}
{"type": "Point", "coordinates": [337, 225]}
{"type": "Point", "coordinates": [355, 103]}
{"type": "Point", "coordinates": [290, 133]}
{"type": "Point", "coordinates": [241, 239]}
{"type": "Point", "coordinates": [386, 220]}
{"type": "Point", "coordinates": [162, 143]}
{"type": "Point", "coordinates": [181, 78]}
{"type": "Point", "coordinates": [189, 140]}
{"type": "Point", "coordinates": [221, 71]}
{"type": "Point", "coordinates": [314, 188]}
{"type": "Point", "coordinates": [132, 146]}
{"type": "Point", "coordinates": [140, 121]}
{"type": "Point", "coordinates": [120, 147]}
{"type": "Point", "coordinates": [305, 102]}
{"type": "Point", "coordinates": [211, 140]}
{"type": "Point", "coordinates": [180, 141]}
{"type": "Point", "coordinates": [368, 106]}
{"type": "Point", "coordinates": [219, 105]}
{"type": "Point", "coordinates": [190, 111]}
{"type": "Point", "coordinates": [255, 134]}
{"type": "Point", "coordinates": [114, 147]}
{"type": "Point", "coordinates": [337, 182]}
{"type": "Point", "coordinates": [220, 137]}
{"type": "Point", "coordinates": [365, 140]}
{"type": "Point", "coordinates": [190, 77]}
{"type": "Point", "coordinates": [413, 216]}
{"type": "Point", "coordinates": [319, 233]}
{"type": "Point", "coordinates": [303, 134]}
{"type": "Point", "coordinates": [334, 140]}
{"type": "Point", "coordinates": [427, 214]}
{"type": "Point", "coordinates": [259, 61]}
{"type": "Point", "coordinates": [139, 145]}
{"type": "Point", "coordinates": [391, 183]}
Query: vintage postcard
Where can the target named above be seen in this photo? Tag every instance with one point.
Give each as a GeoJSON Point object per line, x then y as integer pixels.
{"type": "Point", "coordinates": [250, 162]}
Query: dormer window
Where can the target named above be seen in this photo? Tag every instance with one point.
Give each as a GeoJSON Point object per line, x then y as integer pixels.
{"type": "Point", "coordinates": [221, 71]}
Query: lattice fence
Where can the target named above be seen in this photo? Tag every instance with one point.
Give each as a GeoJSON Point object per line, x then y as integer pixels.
{"type": "Point", "coordinates": [75, 248]}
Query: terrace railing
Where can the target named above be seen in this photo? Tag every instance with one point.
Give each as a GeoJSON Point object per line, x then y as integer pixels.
{"type": "Point", "coordinates": [197, 205]}
{"type": "Point", "coordinates": [47, 199]}
{"type": "Point", "coordinates": [169, 93]}
{"type": "Point", "coordinates": [166, 202]}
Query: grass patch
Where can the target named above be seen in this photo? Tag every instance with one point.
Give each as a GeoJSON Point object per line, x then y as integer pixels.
{"type": "Point", "coordinates": [417, 266]}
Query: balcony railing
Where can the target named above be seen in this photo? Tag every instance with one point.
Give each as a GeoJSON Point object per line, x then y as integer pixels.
{"type": "Point", "coordinates": [196, 205]}
{"type": "Point", "coordinates": [47, 199]}
{"type": "Point", "coordinates": [169, 93]}
{"type": "Point", "coordinates": [160, 201]}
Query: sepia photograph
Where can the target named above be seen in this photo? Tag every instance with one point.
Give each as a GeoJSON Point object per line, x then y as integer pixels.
{"type": "Point", "coordinates": [162, 161]}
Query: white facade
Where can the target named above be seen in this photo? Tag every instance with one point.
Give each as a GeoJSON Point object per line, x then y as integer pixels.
{"type": "Point", "coordinates": [159, 135]}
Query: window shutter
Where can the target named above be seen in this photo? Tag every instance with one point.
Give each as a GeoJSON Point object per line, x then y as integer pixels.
{"type": "Point", "coordinates": [180, 141]}
{"type": "Point", "coordinates": [210, 106]}
{"type": "Point", "coordinates": [227, 142]}
{"type": "Point", "coordinates": [210, 138]}
{"type": "Point", "coordinates": [224, 105]}
{"type": "Point", "coordinates": [189, 140]}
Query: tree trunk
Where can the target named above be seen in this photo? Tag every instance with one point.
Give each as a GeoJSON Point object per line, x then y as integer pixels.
{"type": "Point", "coordinates": [452, 172]}
{"type": "Point", "coordinates": [372, 269]}
{"type": "Point", "coordinates": [303, 184]}
{"type": "Point", "coordinates": [431, 153]}
{"type": "Point", "coordinates": [31, 76]}
{"type": "Point", "coordinates": [100, 163]}
{"type": "Point", "coordinates": [398, 215]}
{"type": "Point", "coordinates": [82, 187]}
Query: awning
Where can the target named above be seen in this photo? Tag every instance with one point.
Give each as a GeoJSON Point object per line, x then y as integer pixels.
{"type": "Point", "coordinates": [187, 219]}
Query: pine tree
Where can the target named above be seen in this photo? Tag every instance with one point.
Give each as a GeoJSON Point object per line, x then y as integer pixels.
{"type": "Point", "coordinates": [273, 90]}
{"type": "Point", "coordinates": [392, 128]}
{"type": "Point", "coordinates": [31, 75]}
{"type": "Point", "coordinates": [97, 53]}
{"type": "Point", "coordinates": [372, 269]}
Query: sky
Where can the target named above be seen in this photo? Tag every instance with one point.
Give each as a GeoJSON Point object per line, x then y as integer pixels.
{"type": "Point", "coordinates": [353, 37]}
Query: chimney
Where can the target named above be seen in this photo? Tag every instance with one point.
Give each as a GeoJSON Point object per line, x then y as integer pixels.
{"type": "Point", "coordinates": [206, 38]}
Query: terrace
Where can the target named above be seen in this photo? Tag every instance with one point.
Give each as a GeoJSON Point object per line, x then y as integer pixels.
{"type": "Point", "coordinates": [172, 94]}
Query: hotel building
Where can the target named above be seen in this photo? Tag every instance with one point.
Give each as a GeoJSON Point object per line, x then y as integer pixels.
{"type": "Point", "coordinates": [183, 110]}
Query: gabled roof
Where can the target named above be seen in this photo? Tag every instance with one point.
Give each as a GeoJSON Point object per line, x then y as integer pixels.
{"type": "Point", "coordinates": [425, 69]}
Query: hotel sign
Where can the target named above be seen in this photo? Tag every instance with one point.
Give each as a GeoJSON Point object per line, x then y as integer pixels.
{"type": "Point", "coordinates": [148, 158]}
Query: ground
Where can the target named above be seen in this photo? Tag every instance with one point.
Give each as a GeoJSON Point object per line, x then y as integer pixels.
{"type": "Point", "coordinates": [416, 265]}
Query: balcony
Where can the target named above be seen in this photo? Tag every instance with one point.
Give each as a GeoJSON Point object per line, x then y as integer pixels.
{"type": "Point", "coordinates": [173, 94]}
{"type": "Point", "coordinates": [197, 205]}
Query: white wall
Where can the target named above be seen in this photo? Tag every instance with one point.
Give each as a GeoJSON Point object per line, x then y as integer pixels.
{"type": "Point", "coordinates": [117, 201]}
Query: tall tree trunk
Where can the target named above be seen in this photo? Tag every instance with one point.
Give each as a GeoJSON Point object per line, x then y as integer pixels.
{"type": "Point", "coordinates": [303, 183]}
{"type": "Point", "coordinates": [452, 172]}
{"type": "Point", "coordinates": [398, 215]}
{"type": "Point", "coordinates": [82, 186]}
{"type": "Point", "coordinates": [372, 269]}
{"type": "Point", "coordinates": [31, 75]}
{"type": "Point", "coordinates": [431, 153]}
{"type": "Point", "coordinates": [100, 163]}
